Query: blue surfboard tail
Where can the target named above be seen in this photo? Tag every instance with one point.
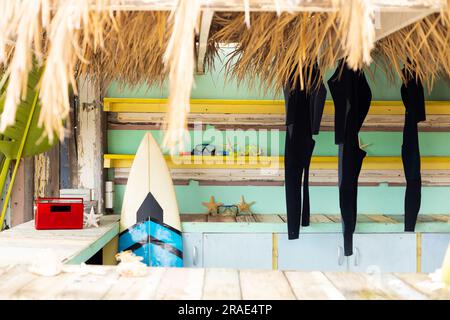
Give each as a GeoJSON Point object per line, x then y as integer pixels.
{"type": "Point", "coordinates": [158, 243]}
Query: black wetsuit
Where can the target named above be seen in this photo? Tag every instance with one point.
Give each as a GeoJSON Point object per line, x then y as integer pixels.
{"type": "Point", "coordinates": [304, 111]}
{"type": "Point", "coordinates": [352, 97]}
{"type": "Point", "coordinates": [414, 101]}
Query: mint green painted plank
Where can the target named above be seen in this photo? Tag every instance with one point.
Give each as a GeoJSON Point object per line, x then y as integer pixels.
{"type": "Point", "coordinates": [271, 199]}
{"type": "Point", "coordinates": [127, 141]}
{"type": "Point", "coordinates": [381, 143]}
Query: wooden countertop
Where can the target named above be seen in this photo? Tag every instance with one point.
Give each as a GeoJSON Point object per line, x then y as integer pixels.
{"type": "Point", "coordinates": [320, 223]}
{"type": "Point", "coordinates": [104, 282]}
{"type": "Point", "coordinates": [23, 243]}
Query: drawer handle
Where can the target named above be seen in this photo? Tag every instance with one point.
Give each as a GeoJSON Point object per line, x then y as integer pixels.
{"type": "Point", "coordinates": [340, 255]}
{"type": "Point", "coordinates": [195, 256]}
{"type": "Point", "coordinates": [357, 256]}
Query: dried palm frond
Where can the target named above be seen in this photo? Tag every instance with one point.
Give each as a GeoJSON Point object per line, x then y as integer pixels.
{"type": "Point", "coordinates": [422, 48]}
{"type": "Point", "coordinates": [275, 47]}
{"type": "Point", "coordinates": [23, 25]}
{"type": "Point", "coordinates": [74, 25]}
{"type": "Point", "coordinates": [72, 37]}
{"type": "Point", "coordinates": [179, 59]}
{"type": "Point", "coordinates": [356, 31]}
{"type": "Point", "coordinates": [132, 52]}
{"type": "Point", "coordinates": [54, 32]}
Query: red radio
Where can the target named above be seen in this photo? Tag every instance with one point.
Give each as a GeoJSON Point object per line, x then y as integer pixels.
{"type": "Point", "coordinates": [59, 213]}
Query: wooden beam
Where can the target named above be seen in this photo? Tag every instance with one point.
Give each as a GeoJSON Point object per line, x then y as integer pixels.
{"type": "Point", "coordinates": [90, 140]}
{"type": "Point", "coordinates": [269, 5]}
{"type": "Point", "coordinates": [205, 25]}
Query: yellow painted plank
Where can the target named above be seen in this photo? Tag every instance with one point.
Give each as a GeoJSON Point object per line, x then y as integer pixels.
{"type": "Point", "coordinates": [256, 106]}
{"type": "Point", "coordinates": [317, 163]}
{"type": "Point", "coordinates": [109, 251]}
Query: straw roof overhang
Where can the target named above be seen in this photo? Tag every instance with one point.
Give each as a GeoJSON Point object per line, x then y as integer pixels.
{"type": "Point", "coordinates": [135, 41]}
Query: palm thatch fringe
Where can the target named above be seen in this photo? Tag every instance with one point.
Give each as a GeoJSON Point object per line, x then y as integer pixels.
{"type": "Point", "coordinates": [71, 38]}
{"type": "Point", "coordinates": [179, 59]}
{"type": "Point", "coordinates": [422, 48]}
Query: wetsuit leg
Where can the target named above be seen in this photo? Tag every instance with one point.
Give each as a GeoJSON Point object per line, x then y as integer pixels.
{"type": "Point", "coordinates": [293, 178]}
{"type": "Point", "coordinates": [306, 211]}
{"type": "Point", "coordinates": [413, 98]}
{"type": "Point", "coordinates": [351, 95]}
{"type": "Point", "coordinates": [411, 166]}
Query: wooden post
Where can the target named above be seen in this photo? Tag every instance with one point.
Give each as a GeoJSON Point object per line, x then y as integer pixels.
{"type": "Point", "coordinates": [68, 167]}
{"type": "Point", "coordinates": [46, 178]}
{"type": "Point", "coordinates": [22, 193]}
{"type": "Point", "coordinates": [91, 126]}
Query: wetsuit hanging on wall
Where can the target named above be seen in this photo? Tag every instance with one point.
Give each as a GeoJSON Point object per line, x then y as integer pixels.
{"type": "Point", "coordinates": [352, 97]}
{"type": "Point", "coordinates": [414, 101]}
{"type": "Point", "coordinates": [304, 109]}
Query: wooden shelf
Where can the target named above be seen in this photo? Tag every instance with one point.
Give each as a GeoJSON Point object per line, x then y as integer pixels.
{"type": "Point", "coordinates": [210, 106]}
{"type": "Point", "coordinates": [146, 114]}
{"type": "Point", "coordinates": [265, 162]}
{"type": "Point", "coordinates": [269, 171]}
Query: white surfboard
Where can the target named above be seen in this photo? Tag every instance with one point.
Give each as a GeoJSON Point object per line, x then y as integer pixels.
{"type": "Point", "coordinates": [150, 198]}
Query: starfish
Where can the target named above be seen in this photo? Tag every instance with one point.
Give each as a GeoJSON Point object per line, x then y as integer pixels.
{"type": "Point", "coordinates": [212, 205]}
{"type": "Point", "coordinates": [91, 219]}
{"type": "Point", "coordinates": [244, 207]}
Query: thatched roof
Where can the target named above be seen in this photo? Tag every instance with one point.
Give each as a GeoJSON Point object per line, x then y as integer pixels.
{"type": "Point", "coordinates": [112, 40]}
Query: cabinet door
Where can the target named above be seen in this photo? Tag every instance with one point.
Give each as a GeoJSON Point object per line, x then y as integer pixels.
{"type": "Point", "coordinates": [311, 252]}
{"type": "Point", "coordinates": [193, 250]}
{"type": "Point", "coordinates": [242, 251]}
{"type": "Point", "coordinates": [434, 246]}
{"type": "Point", "coordinates": [384, 252]}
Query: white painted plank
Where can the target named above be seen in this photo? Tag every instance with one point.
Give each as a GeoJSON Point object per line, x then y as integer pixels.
{"type": "Point", "coordinates": [44, 288]}
{"type": "Point", "coordinates": [377, 286]}
{"type": "Point", "coordinates": [90, 138]}
{"type": "Point", "coordinates": [265, 285]}
{"type": "Point", "coordinates": [136, 288]}
{"type": "Point", "coordinates": [312, 286]}
{"type": "Point", "coordinates": [205, 25]}
{"type": "Point", "coordinates": [423, 283]}
{"type": "Point", "coordinates": [91, 286]}
{"type": "Point", "coordinates": [221, 284]}
{"type": "Point", "coordinates": [14, 278]}
{"type": "Point", "coordinates": [394, 21]}
{"type": "Point", "coordinates": [181, 284]}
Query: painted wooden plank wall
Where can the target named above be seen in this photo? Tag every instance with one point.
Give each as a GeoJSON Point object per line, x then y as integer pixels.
{"type": "Point", "coordinates": [270, 199]}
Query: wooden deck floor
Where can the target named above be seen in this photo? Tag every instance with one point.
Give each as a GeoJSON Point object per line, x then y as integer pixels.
{"type": "Point", "coordinates": [102, 282]}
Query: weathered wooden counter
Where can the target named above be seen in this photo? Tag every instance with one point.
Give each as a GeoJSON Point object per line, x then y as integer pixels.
{"type": "Point", "coordinates": [23, 243]}
{"type": "Point", "coordinates": [320, 223]}
{"type": "Point", "coordinates": [101, 282]}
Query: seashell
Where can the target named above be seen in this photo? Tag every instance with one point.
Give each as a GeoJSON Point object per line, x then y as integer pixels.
{"type": "Point", "coordinates": [46, 264]}
{"type": "Point", "coordinates": [128, 256]}
{"type": "Point", "coordinates": [132, 269]}
{"type": "Point", "coordinates": [130, 264]}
